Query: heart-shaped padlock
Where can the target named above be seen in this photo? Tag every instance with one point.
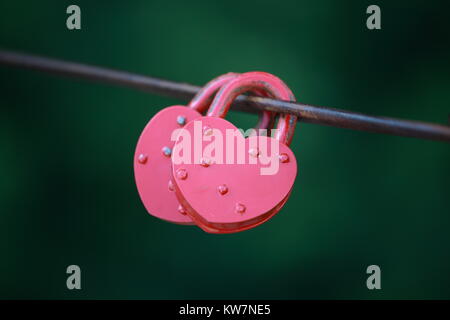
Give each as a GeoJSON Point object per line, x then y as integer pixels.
{"type": "Point", "coordinates": [221, 193]}
{"type": "Point", "coordinates": [152, 166]}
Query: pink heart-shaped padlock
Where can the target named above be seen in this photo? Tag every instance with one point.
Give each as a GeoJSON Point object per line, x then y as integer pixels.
{"type": "Point", "coordinates": [152, 165]}
{"type": "Point", "coordinates": [221, 193]}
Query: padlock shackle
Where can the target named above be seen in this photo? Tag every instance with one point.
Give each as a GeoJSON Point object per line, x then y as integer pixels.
{"type": "Point", "coordinates": [250, 81]}
{"type": "Point", "coordinates": [202, 100]}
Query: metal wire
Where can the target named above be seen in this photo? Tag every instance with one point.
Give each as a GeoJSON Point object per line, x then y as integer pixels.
{"type": "Point", "coordinates": [306, 113]}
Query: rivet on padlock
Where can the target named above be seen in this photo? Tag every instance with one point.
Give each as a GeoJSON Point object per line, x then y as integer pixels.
{"type": "Point", "coordinates": [152, 165]}
{"type": "Point", "coordinates": [235, 197]}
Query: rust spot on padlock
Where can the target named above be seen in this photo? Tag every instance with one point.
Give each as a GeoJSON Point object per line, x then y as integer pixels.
{"type": "Point", "coordinates": [182, 174]}
{"type": "Point", "coordinates": [223, 189]}
{"type": "Point", "coordinates": [284, 158]}
{"type": "Point", "coordinates": [207, 131]}
{"type": "Point", "coordinates": [142, 159]}
{"type": "Point", "coordinates": [240, 208]}
{"type": "Point", "coordinates": [205, 162]}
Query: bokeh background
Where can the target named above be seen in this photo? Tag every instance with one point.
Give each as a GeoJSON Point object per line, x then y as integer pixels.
{"type": "Point", "coordinates": [67, 193]}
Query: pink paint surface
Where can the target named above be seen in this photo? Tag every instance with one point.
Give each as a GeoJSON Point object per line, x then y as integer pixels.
{"type": "Point", "coordinates": [251, 198]}
{"type": "Point", "coordinates": [153, 176]}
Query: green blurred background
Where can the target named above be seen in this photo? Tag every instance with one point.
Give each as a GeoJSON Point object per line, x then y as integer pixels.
{"type": "Point", "coordinates": [67, 193]}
